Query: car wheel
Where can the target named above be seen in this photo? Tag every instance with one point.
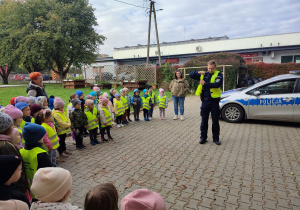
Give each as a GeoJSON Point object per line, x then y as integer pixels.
{"type": "Point", "coordinates": [233, 113]}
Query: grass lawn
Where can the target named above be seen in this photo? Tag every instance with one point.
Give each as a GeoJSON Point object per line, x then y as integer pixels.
{"type": "Point", "coordinates": [57, 90]}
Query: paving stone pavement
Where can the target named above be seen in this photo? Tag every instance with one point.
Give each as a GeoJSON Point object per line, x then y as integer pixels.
{"type": "Point", "coordinates": [256, 167]}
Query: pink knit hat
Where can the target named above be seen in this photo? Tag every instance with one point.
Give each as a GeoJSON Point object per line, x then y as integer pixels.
{"type": "Point", "coordinates": [51, 184]}
{"type": "Point", "coordinates": [143, 199]}
{"type": "Point", "coordinates": [13, 112]}
{"type": "Point", "coordinates": [161, 89]}
{"type": "Point", "coordinates": [58, 102]}
{"type": "Point", "coordinates": [21, 99]}
{"type": "Point", "coordinates": [103, 99]}
{"type": "Point", "coordinates": [96, 89]}
{"type": "Point", "coordinates": [105, 94]}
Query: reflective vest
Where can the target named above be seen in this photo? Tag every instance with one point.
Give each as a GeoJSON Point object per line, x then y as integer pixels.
{"type": "Point", "coordinates": [162, 101]}
{"type": "Point", "coordinates": [152, 98]}
{"type": "Point", "coordinates": [124, 101]}
{"type": "Point", "coordinates": [120, 108]}
{"type": "Point", "coordinates": [64, 118]}
{"type": "Point", "coordinates": [146, 102]}
{"type": "Point", "coordinates": [107, 116]}
{"type": "Point", "coordinates": [23, 122]}
{"type": "Point", "coordinates": [52, 135]}
{"type": "Point", "coordinates": [30, 163]}
{"type": "Point", "coordinates": [91, 117]}
{"type": "Point", "coordinates": [215, 92]}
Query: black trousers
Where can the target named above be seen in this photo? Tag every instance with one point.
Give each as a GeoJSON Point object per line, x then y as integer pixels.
{"type": "Point", "coordinates": [128, 113]}
{"type": "Point", "coordinates": [79, 136]}
{"type": "Point", "coordinates": [93, 134]}
{"type": "Point", "coordinates": [119, 119]}
{"type": "Point", "coordinates": [102, 131]}
{"type": "Point", "coordinates": [136, 113]}
{"type": "Point", "coordinates": [146, 113]}
{"type": "Point", "coordinates": [210, 106]}
{"type": "Point", "coordinates": [62, 143]}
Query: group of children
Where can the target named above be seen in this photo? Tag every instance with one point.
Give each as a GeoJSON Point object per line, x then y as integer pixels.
{"type": "Point", "coordinates": [51, 189]}
{"type": "Point", "coordinates": [33, 130]}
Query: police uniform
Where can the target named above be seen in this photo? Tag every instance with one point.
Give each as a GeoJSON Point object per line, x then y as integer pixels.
{"type": "Point", "coordinates": [210, 94]}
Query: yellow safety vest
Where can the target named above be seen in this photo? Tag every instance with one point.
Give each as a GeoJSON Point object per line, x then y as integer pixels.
{"type": "Point", "coordinates": [215, 92]}
{"type": "Point", "coordinates": [162, 101]}
{"type": "Point", "coordinates": [52, 135]}
{"type": "Point", "coordinates": [91, 119]}
{"type": "Point", "coordinates": [146, 102]}
{"type": "Point", "coordinates": [120, 108]}
{"type": "Point", "coordinates": [107, 116]}
{"type": "Point", "coordinates": [23, 122]}
{"type": "Point", "coordinates": [30, 163]}
{"type": "Point", "coordinates": [124, 101]}
{"type": "Point", "coordinates": [152, 97]}
{"type": "Point", "coordinates": [64, 118]}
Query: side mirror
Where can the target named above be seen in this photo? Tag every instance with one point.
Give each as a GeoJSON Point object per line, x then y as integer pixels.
{"type": "Point", "coordinates": [256, 93]}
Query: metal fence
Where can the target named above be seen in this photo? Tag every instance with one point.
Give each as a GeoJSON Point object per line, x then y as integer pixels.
{"type": "Point", "coordinates": [118, 74]}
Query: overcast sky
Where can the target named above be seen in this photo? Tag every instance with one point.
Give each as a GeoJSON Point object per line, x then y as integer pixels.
{"type": "Point", "coordinates": [126, 25]}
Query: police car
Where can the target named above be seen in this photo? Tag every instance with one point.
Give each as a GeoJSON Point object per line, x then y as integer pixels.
{"type": "Point", "coordinates": [277, 98]}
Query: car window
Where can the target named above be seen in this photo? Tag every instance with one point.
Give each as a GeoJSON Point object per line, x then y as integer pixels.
{"type": "Point", "coordinates": [280, 87]}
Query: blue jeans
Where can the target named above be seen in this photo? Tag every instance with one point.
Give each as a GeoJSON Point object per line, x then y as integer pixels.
{"type": "Point", "coordinates": [52, 157]}
{"type": "Point", "coordinates": [150, 112]}
{"type": "Point", "coordinates": [180, 101]}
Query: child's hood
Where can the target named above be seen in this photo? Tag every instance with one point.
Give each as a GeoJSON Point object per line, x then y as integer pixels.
{"type": "Point", "coordinates": [135, 91]}
{"type": "Point", "coordinates": [144, 91]}
{"type": "Point", "coordinates": [54, 111]}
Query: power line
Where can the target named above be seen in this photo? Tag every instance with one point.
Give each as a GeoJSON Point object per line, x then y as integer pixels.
{"type": "Point", "coordinates": [131, 4]}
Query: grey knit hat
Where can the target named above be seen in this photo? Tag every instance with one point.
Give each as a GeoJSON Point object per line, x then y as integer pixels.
{"type": "Point", "coordinates": [31, 100]}
{"type": "Point", "coordinates": [5, 122]}
{"type": "Point", "coordinates": [75, 102]}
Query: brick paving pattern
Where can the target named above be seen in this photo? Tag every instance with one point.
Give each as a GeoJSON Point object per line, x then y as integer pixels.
{"type": "Point", "coordinates": [256, 167]}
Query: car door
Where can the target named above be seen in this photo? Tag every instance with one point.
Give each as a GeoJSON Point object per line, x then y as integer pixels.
{"type": "Point", "coordinates": [274, 101]}
{"type": "Point", "coordinates": [297, 102]}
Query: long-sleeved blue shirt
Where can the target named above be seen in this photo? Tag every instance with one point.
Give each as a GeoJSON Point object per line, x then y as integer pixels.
{"type": "Point", "coordinates": [206, 87]}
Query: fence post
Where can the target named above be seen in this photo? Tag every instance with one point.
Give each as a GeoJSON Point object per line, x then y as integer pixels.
{"type": "Point", "coordinates": [155, 74]}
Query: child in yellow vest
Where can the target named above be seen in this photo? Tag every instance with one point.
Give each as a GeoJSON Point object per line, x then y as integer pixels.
{"type": "Point", "coordinates": [51, 140]}
{"type": "Point", "coordinates": [125, 105]}
{"type": "Point", "coordinates": [146, 104]}
{"type": "Point", "coordinates": [119, 109]}
{"type": "Point", "coordinates": [63, 124]}
{"type": "Point", "coordinates": [33, 155]}
{"type": "Point", "coordinates": [70, 109]}
{"type": "Point", "coordinates": [92, 116]}
{"type": "Point", "coordinates": [162, 102]}
{"type": "Point", "coordinates": [105, 117]}
{"type": "Point", "coordinates": [24, 107]}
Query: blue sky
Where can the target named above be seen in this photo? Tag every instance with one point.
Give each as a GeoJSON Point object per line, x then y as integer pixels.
{"type": "Point", "coordinates": [126, 25]}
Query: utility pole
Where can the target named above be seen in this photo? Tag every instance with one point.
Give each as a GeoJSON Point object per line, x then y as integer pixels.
{"type": "Point", "coordinates": [152, 9]}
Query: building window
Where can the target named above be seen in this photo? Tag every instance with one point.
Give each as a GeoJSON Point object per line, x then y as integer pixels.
{"type": "Point", "coordinates": [297, 58]}
{"type": "Point", "coordinates": [258, 59]}
{"type": "Point", "coordinates": [286, 59]}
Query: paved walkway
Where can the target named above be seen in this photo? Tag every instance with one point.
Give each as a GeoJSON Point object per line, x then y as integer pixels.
{"type": "Point", "coordinates": [256, 167]}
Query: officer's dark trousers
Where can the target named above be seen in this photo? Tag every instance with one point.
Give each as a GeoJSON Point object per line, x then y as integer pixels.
{"type": "Point", "coordinates": [210, 106]}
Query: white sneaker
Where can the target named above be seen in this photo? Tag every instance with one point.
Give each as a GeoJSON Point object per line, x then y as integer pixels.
{"type": "Point", "coordinates": [118, 126]}
{"type": "Point", "coordinates": [181, 117]}
{"type": "Point", "coordinates": [175, 117]}
{"type": "Point", "coordinates": [122, 125]}
{"type": "Point", "coordinates": [150, 118]}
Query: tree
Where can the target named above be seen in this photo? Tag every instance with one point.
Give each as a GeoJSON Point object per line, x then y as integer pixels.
{"type": "Point", "coordinates": [8, 43]}
{"type": "Point", "coordinates": [58, 35]}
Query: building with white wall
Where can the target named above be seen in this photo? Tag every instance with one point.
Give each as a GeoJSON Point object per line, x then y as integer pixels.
{"type": "Point", "coordinates": [279, 48]}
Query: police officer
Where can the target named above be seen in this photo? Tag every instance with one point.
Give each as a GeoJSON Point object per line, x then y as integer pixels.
{"type": "Point", "coordinates": [210, 93]}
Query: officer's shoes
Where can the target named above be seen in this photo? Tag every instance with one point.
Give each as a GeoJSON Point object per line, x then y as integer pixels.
{"type": "Point", "coordinates": [217, 142]}
{"type": "Point", "coordinates": [202, 141]}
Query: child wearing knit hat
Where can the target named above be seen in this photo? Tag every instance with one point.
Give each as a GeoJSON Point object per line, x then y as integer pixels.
{"type": "Point", "coordinates": [104, 196]}
{"type": "Point", "coordinates": [125, 105]}
{"type": "Point", "coordinates": [146, 104]}
{"type": "Point", "coordinates": [78, 123]}
{"type": "Point", "coordinates": [31, 100]}
{"type": "Point", "coordinates": [70, 109]}
{"type": "Point", "coordinates": [19, 99]}
{"type": "Point", "coordinates": [119, 109]}
{"type": "Point", "coordinates": [162, 102]}
{"type": "Point", "coordinates": [152, 101]}
{"type": "Point", "coordinates": [51, 140]}
{"type": "Point", "coordinates": [136, 102]}
{"type": "Point", "coordinates": [24, 107]}
{"type": "Point", "coordinates": [63, 123]}
{"type": "Point", "coordinates": [52, 187]}
{"type": "Point", "coordinates": [93, 117]}
{"type": "Point", "coordinates": [105, 117]}
{"type": "Point", "coordinates": [17, 117]}
{"type": "Point", "coordinates": [111, 107]}
{"type": "Point", "coordinates": [11, 169]}
{"type": "Point", "coordinates": [34, 109]}
{"type": "Point", "coordinates": [8, 148]}
{"type": "Point", "coordinates": [128, 98]}
{"type": "Point", "coordinates": [42, 101]}
{"type": "Point", "coordinates": [143, 199]}
{"type": "Point", "coordinates": [33, 154]}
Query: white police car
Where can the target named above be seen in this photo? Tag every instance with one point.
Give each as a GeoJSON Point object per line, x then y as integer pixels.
{"type": "Point", "coordinates": [277, 98]}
